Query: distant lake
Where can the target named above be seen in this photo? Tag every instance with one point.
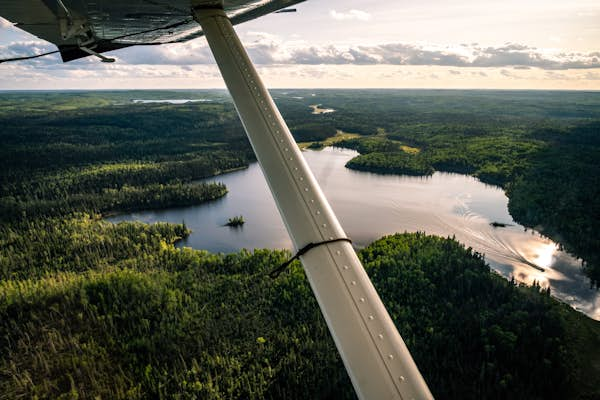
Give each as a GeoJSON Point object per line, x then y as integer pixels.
{"type": "Point", "coordinates": [318, 110]}
{"type": "Point", "coordinates": [370, 206]}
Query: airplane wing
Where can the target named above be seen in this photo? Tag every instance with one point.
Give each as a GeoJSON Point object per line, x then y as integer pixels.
{"type": "Point", "coordinates": [83, 27]}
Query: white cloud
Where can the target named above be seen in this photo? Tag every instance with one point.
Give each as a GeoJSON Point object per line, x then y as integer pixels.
{"type": "Point", "coordinates": [356, 15]}
{"type": "Point", "coordinates": [30, 48]}
{"type": "Point", "coordinates": [268, 49]}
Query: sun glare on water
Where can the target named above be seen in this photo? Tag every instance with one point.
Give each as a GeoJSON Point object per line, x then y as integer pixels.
{"type": "Point", "coordinates": [545, 255]}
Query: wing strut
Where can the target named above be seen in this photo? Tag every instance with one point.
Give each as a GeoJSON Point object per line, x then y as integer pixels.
{"type": "Point", "coordinates": [375, 356]}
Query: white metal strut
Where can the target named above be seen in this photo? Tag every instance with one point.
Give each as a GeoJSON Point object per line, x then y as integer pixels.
{"type": "Point", "coordinates": [375, 356]}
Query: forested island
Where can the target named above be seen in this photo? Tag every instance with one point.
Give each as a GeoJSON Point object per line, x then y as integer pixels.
{"type": "Point", "coordinates": [236, 221]}
{"type": "Point", "coordinates": [93, 309]}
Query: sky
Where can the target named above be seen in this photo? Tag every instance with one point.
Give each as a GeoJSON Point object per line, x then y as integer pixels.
{"type": "Point", "coordinates": [447, 44]}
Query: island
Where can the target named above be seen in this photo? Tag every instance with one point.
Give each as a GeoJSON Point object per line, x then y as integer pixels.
{"type": "Point", "coordinates": [235, 221]}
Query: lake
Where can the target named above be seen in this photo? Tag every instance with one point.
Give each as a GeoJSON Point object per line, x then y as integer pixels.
{"type": "Point", "coordinates": [370, 205]}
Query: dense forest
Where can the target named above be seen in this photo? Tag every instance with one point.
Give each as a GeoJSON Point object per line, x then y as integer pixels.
{"type": "Point", "coordinates": [132, 317]}
{"type": "Point", "coordinates": [91, 309]}
{"type": "Point", "coordinates": [74, 152]}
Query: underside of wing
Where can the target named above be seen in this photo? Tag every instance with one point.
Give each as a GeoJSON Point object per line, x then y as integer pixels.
{"type": "Point", "coordinates": [83, 27]}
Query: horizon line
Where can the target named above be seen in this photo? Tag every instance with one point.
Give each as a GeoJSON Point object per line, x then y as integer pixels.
{"type": "Point", "coordinates": [302, 88]}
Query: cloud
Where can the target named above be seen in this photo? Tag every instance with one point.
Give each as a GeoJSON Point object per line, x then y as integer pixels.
{"type": "Point", "coordinates": [30, 48]}
{"type": "Point", "coordinates": [268, 49]}
{"type": "Point", "coordinates": [356, 15]}
{"type": "Point", "coordinates": [26, 48]}
{"type": "Point", "coordinates": [511, 55]}
{"type": "Point", "coordinates": [189, 53]}
{"type": "Point", "coordinates": [521, 56]}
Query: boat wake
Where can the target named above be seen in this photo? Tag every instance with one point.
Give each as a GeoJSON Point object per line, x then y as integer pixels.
{"type": "Point", "coordinates": [502, 245]}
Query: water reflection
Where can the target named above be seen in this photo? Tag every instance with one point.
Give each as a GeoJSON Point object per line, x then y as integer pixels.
{"type": "Point", "coordinates": [443, 204]}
